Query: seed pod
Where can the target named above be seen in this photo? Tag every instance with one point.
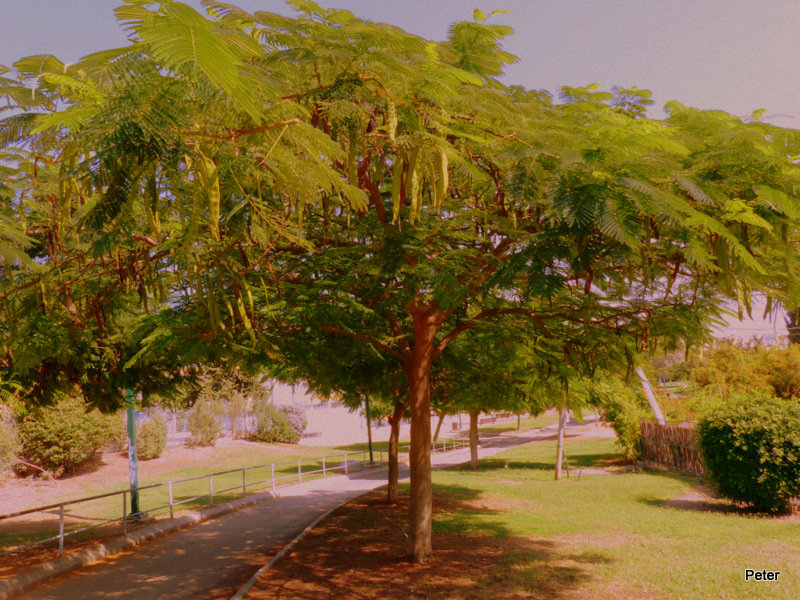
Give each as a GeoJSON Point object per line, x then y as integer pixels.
{"type": "Point", "coordinates": [352, 166]}
{"type": "Point", "coordinates": [443, 179]}
{"type": "Point", "coordinates": [391, 120]}
{"type": "Point", "coordinates": [397, 187]}
{"type": "Point", "coordinates": [415, 207]}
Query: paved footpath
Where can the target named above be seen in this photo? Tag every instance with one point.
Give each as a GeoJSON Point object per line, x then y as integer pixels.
{"type": "Point", "coordinates": [215, 558]}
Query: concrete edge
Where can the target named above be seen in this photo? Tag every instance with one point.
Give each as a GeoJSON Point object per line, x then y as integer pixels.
{"type": "Point", "coordinates": [16, 584]}
{"type": "Point", "coordinates": [242, 591]}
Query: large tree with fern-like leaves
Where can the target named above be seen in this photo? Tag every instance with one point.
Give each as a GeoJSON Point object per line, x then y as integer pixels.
{"type": "Point", "coordinates": [250, 185]}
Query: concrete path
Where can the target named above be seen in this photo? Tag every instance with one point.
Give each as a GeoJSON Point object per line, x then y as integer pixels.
{"type": "Point", "coordinates": [215, 558]}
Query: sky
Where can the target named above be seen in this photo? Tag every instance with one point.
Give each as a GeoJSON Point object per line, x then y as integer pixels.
{"type": "Point", "coordinates": [734, 55]}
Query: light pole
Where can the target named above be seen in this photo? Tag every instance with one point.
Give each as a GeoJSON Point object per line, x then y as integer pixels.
{"type": "Point", "coordinates": [133, 455]}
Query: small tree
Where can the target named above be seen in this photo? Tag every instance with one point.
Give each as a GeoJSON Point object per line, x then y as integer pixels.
{"type": "Point", "coordinates": [62, 436]}
{"type": "Point", "coordinates": [203, 425]}
{"type": "Point", "coordinates": [151, 438]}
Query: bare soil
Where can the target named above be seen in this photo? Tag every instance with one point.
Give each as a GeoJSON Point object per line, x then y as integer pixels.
{"type": "Point", "coordinates": [357, 553]}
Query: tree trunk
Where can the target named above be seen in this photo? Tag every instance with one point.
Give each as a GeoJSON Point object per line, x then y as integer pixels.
{"type": "Point", "coordinates": [473, 438]}
{"type": "Point", "coordinates": [417, 368]}
{"type": "Point", "coordinates": [394, 450]}
{"type": "Point", "coordinates": [562, 420]}
{"type": "Point", "coordinates": [519, 421]}
{"type": "Point", "coordinates": [438, 427]}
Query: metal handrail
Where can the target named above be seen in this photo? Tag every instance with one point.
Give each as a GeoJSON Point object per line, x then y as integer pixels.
{"type": "Point", "coordinates": [272, 482]}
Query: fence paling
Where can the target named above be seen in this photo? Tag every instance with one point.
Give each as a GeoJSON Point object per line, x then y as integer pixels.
{"type": "Point", "coordinates": [172, 503]}
{"type": "Point", "coordinates": [671, 446]}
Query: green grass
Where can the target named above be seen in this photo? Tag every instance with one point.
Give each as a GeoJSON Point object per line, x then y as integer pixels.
{"type": "Point", "coordinates": [616, 533]}
{"type": "Point", "coordinates": [543, 420]}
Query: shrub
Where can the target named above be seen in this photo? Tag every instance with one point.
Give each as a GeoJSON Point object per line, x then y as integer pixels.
{"type": "Point", "coordinates": [623, 408]}
{"type": "Point", "coordinates": [62, 436]}
{"type": "Point", "coordinates": [203, 425]}
{"type": "Point", "coordinates": [9, 439]}
{"type": "Point", "coordinates": [273, 425]}
{"type": "Point", "coordinates": [151, 438]}
{"type": "Point", "coordinates": [751, 447]}
{"type": "Point", "coordinates": [297, 419]}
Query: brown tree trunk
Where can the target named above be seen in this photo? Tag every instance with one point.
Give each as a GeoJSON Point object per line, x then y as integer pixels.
{"type": "Point", "coordinates": [473, 438]}
{"type": "Point", "coordinates": [438, 427]}
{"type": "Point", "coordinates": [417, 367]}
{"type": "Point", "coordinates": [394, 450]}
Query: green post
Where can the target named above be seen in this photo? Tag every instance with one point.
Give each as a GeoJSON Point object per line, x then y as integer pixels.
{"type": "Point", "coordinates": [369, 431]}
{"type": "Point", "coordinates": [133, 455]}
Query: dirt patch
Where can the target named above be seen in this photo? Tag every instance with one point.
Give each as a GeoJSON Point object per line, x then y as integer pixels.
{"type": "Point", "coordinates": [358, 553]}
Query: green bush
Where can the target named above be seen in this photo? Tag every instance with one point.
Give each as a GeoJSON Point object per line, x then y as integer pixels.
{"type": "Point", "coordinates": [751, 446]}
{"type": "Point", "coordinates": [623, 408]}
{"type": "Point", "coordinates": [297, 419]}
{"type": "Point", "coordinates": [9, 439]}
{"type": "Point", "coordinates": [273, 425]}
{"type": "Point", "coordinates": [151, 438]}
{"type": "Point", "coordinates": [62, 436]}
{"type": "Point", "coordinates": [203, 425]}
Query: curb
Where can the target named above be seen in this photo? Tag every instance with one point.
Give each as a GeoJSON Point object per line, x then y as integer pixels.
{"type": "Point", "coordinates": [242, 591]}
{"type": "Point", "coordinates": [21, 582]}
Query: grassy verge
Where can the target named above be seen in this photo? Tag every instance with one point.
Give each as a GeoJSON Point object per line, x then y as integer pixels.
{"type": "Point", "coordinates": [507, 530]}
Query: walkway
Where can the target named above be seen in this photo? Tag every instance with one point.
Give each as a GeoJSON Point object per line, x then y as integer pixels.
{"type": "Point", "coordinates": [215, 558]}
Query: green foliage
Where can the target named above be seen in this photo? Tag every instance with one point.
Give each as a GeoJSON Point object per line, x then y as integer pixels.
{"type": "Point", "coordinates": [151, 438]}
{"type": "Point", "coordinates": [273, 425]}
{"type": "Point", "coordinates": [297, 419]}
{"type": "Point", "coordinates": [203, 425]}
{"type": "Point", "coordinates": [623, 407]}
{"type": "Point", "coordinates": [731, 368]}
{"type": "Point", "coordinates": [9, 438]}
{"type": "Point", "coordinates": [62, 436]}
{"type": "Point", "coordinates": [751, 446]}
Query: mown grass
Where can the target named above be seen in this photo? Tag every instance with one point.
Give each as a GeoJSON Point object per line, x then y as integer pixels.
{"type": "Point", "coordinates": [619, 535]}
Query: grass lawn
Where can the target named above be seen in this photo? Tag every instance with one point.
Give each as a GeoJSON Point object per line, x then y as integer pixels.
{"type": "Point", "coordinates": [508, 530]}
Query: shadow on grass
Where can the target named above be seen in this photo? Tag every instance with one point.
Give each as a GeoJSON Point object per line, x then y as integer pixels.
{"type": "Point", "coordinates": [359, 552]}
{"type": "Point", "coordinates": [576, 461]}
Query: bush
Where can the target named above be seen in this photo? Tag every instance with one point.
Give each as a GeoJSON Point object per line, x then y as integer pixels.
{"type": "Point", "coordinates": [151, 438]}
{"type": "Point", "coordinates": [623, 408]}
{"type": "Point", "coordinates": [297, 419]}
{"type": "Point", "coordinates": [273, 425]}
{"type": "Point", "coordinates": [9, 439]}
{"type": "Point", "coordinates": [751, 447]}
{"type": "Point", "coordinates": [203, 425]}
{"type": "Point", "coordinates": [62, 436]}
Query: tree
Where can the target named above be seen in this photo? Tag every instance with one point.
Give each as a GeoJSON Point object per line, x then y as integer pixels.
{"type": "Point", "coordinates": [319, 179]}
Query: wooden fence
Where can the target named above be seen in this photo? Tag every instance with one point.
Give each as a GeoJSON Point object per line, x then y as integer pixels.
{"type": "Point", "coordinates": [672, 446]}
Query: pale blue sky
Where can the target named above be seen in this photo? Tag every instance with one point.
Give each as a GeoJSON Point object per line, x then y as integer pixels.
{"type": "Point", "coordinates": [735, 55]}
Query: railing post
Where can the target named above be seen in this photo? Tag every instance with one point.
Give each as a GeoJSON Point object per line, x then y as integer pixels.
{"type": "Point", "coordinates": [244, 482]}
{"type": "Point", "coordinates": [169, 487]}
{"type": "Point", "coordinates": [124, 512]}
{"type": "Point", "coordinates": [61, 530]}
{"type": "Point", "coordinates": [211, 489]}
{"type": "Point", "coordinates": [324, 473]}
{"type": "Point", "coordinates": [273, 476]}
{"type": "Point", "coordinates": [345, 463]}
{"type": "Point", "coordinates": [299, 470]}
